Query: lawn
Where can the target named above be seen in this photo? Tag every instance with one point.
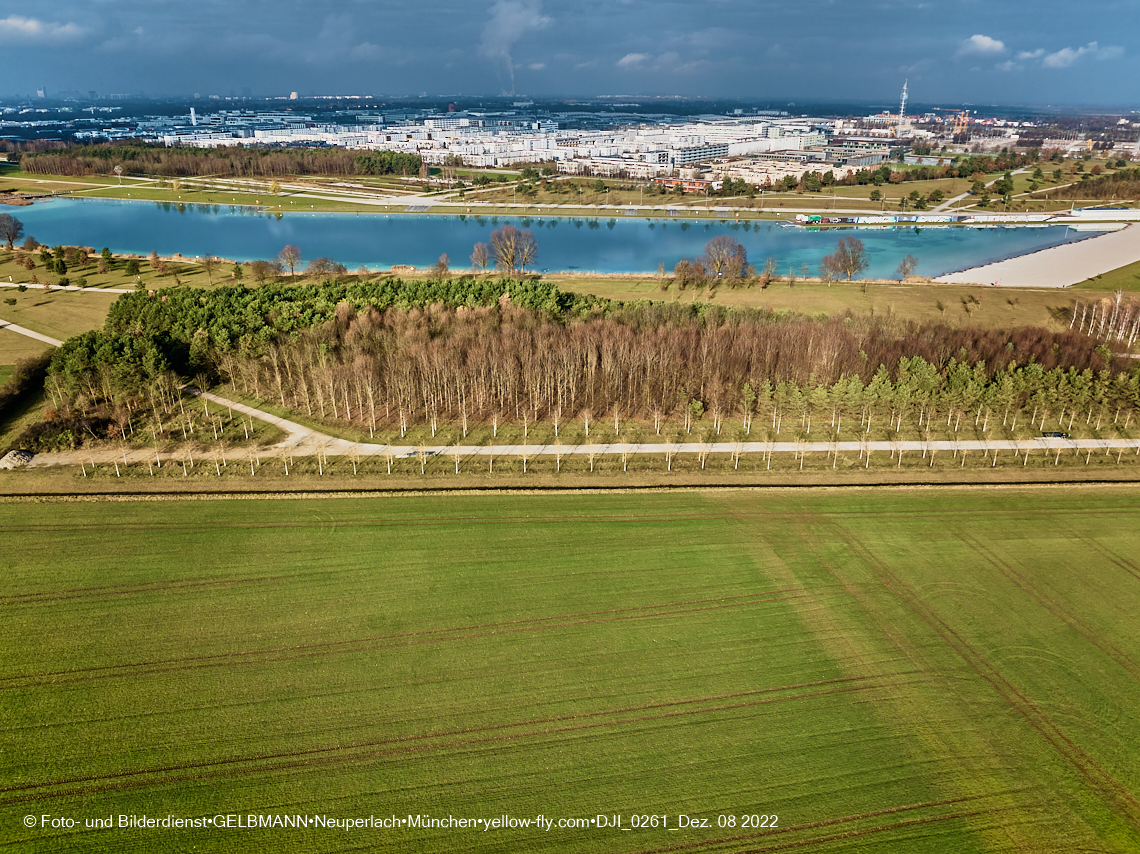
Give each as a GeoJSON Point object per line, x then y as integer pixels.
{"type": "Point", "coordinates": [909, 671]}
{"type": "Point", "coordinates": [1125, 278]}
{"type": "Point", "coordinates": [14, 347]}
{"type": "Point", "coordinates": [987, 307]}
{"type": "Point", "coordinates": [58, 314]}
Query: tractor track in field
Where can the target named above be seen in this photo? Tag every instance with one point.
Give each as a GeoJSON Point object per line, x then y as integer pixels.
{"type": "Point", "coordinates": [141, 587]}
{"type": "Point", "coordinates": [405, 639]}
{"type": "Point", "coordinates": [321, 756]}
{"type": "Point", "coordinates": [46, 529]}
{"type": "Point", "coordinates": [1110, 651]}
{"type": "Point", "coordinates": [370, 638]}
{"type": "Point", "coordinates": [827, 822]}
{"type": "Point", "coordinates": [1125, 564]}
{"type": "Point", "coordinates": [1123, 802]}
{"type": "Point", "coordinates": [852, 834]}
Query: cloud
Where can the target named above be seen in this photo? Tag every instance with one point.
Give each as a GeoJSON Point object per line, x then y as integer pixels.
{"type": "Point", "coordinates": [18, 29]}
{"type": "Point", "coordinates": [632, 60]}
{"type": "Point", "coordinates": [1008, 65]}
{"type": "Point", "coordinates": [537, 66]}
{"type": "Point", "coordinates": [1066, 56]}
{"type": "Point", "coordinates": [509, 21]}
{"type": "Point", "coordinates": [979, 44]}
{"type": "Point", "coordinates": [1032, 54]}
{"type": "Point", "coordinates": [366, 51]}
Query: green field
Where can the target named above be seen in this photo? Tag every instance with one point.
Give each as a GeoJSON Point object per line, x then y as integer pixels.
{"type": "Point", "coordinates": [14, 347]}
{"type": "Point", "coordinates": [905, 670]}
{"type": "Point", "coordinates": [58, 314]}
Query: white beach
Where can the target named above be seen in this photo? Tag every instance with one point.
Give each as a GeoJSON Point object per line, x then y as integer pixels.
{"type": "Point", "coordinates": [1059, 266]}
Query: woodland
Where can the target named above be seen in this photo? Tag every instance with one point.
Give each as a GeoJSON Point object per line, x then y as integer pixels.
{"type": "Point", "coordinates": [230, 161]}
{"type": "Point", "coordinates": [389, 354]}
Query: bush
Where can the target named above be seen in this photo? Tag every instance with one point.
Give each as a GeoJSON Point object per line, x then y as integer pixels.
{"type": "Point", "coordinates": [28, 376]}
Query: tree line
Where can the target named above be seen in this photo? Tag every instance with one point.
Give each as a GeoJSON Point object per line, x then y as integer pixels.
{"type": "Point", "coordinates": [400, 353]}
{"type": "Point", "coordinates": [230, 161]}
{"type": "Point", "coordinates": [1123, 184]}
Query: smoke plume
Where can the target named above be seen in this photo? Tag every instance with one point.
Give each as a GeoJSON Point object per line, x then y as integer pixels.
{"type": "Point", "coordinates": [509, 21]}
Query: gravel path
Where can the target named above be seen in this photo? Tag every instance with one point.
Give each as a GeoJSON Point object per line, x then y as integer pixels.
{"type": "Point", "coordinates": [1058, 266]}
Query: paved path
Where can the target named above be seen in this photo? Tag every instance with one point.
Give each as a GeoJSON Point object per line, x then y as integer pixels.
{"type": "Point", "coordinates": [20, 330]}
{"type": "Point", "coordinates": [946, 205]}
{"type": "Point", "coordinates": [67, 288]}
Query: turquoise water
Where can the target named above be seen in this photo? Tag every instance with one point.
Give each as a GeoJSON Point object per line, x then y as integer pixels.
{"type": "Point", "coordinates": [604, 245]}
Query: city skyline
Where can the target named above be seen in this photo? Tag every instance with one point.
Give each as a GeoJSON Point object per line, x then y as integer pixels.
{"type": "Point", "coordinates": [730, 49]}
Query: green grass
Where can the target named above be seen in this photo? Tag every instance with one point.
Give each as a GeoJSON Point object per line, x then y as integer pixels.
{"type": "Point", "coordinates": [59, 314]}
{"type": "Point", "coordinates": [996, 308]}
{"type": "Point", "coordinates": [1125, 278]}
{"type": "Point", "coordinates": [902, 671]}
{"type": "Point", "coordinates": [14, 347]}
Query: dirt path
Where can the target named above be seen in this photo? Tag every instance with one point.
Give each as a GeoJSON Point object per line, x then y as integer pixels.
{"type": "Point", "coordinates": [302, 441]}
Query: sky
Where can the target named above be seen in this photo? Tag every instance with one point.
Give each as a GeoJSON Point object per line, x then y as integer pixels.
{"type": "Point", "coordinates": [969, 51]}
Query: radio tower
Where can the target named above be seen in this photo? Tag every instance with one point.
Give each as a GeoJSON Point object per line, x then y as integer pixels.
{"type": "Point", "coordinates": [902, 110]}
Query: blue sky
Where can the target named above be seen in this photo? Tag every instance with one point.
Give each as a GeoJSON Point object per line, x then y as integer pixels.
{"type": "Point", "coordinates": [981, 51]}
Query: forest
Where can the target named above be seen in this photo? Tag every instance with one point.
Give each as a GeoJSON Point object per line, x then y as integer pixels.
{"type": "Point", "coordinates": [1123, 184]}
{"type": "Point", "coordinates": [230, 161]}
{"type": "Point", "coordinates": [468, 349]}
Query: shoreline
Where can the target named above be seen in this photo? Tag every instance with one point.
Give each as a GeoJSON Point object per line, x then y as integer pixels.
{"type": "Point", "coordinates": [1057, 266]}
{"type": "Point", "coordinates": [1053, 267]}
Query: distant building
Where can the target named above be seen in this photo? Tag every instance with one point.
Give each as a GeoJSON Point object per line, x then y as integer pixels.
{"type": "Point", "coordinates": [690, 185]}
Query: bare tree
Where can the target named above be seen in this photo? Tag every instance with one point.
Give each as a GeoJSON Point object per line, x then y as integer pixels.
{"type": "Point", "coordinates": [770, 265]}
{"type": "Point", "coordinates": [512, 249]}
{"type": "Point", "coordinates": [290, 256]}
{"type": "Point", "coordinates": [441, 267]}
{"type": "Point", "coordinates": [527, 250]}
{"type": "Point", "coordinates": [504, 247]}
{"type": "Point", "coordinates": [481, 257]}
{"type": "Point", "coordinates": [849, 258]}
{"type": "Point", "coordinates": [906, 267]}
{"type": "Point", "coordinates": [263, 271]}
{"type": "Point", "coordinates": [325, 267]}
{"type": "Point", "coordinates": [722, 252]}
{"type": "Point", "coordinates": [11, 229]}
{"type": "Point", "coordinates": [828, 271]}
{"type": "Point", "coordinates": [210, 264]}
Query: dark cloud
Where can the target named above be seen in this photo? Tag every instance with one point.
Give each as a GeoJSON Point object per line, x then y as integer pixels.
{"type": "Point", "coordinates": [756, 49]}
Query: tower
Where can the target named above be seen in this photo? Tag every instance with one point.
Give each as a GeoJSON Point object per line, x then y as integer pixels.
{"type": "Point", "coordinates": [902, 110]}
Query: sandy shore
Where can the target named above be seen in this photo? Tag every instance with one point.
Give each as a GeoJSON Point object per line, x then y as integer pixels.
{"type": "Point", "coordinates": [1059, 266]}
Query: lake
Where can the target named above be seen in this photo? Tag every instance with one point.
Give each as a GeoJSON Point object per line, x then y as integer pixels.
{"type": "Point", "coordinates": [603, 245]}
